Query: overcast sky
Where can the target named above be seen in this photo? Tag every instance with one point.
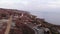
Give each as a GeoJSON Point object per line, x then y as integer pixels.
{"type": "Point", "coordinates": [31, 5]}
{"type": "Point", "coordinates": [48, 9]}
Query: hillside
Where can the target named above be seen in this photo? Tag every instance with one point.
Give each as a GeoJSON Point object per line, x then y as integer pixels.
{"type": "Point", "coordinates": [22, 22]}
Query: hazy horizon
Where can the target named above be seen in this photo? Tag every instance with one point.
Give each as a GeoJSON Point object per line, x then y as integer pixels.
{"type": "Point", "coordinates": [51, 17]}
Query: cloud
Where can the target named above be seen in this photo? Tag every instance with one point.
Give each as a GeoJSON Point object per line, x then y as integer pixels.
{"type": "Point", "coordinates": [31, 5]}
{"type": "Point", "coordinates": [50, 4]}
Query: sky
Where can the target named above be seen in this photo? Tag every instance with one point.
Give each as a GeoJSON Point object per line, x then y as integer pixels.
{"type": "Point", "coordinates": [31, 5]}
{"type": "Point", "coordinates": [47, 9]}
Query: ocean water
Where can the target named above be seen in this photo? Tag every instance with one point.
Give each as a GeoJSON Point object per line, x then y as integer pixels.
{"type": "Point", "coordinates": [51, 17]}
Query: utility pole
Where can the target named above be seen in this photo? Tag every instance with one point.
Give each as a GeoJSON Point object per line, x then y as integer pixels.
{"type": "Point", "coordinates": [8, 25]}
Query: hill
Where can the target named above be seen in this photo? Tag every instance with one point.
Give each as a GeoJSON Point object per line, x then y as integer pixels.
{"type": "Point", "coordinates": [23, 22]}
